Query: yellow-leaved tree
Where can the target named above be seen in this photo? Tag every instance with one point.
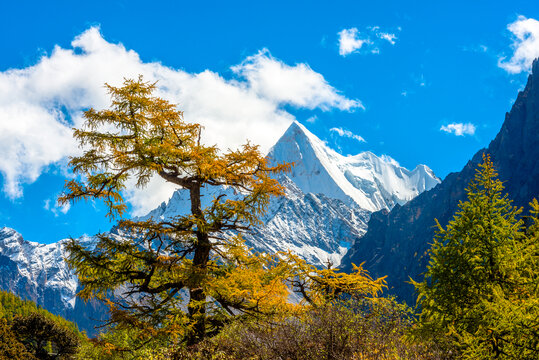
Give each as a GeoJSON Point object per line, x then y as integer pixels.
{"type": "Point", "coordinates": [184, 277]}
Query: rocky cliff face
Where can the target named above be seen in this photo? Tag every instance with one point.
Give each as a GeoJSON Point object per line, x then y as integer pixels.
{"type": "Point", "coordinates": [397, 242]}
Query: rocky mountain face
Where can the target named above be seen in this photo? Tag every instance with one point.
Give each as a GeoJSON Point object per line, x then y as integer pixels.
{"type": "Point", "coordinates": [328, 201]}
{"type": "Point", "coordinates": [397, 242]}
{"type": "Point", "coordinates": [39, 273]}
{"type": "Point", "coordinates": [316, 227]}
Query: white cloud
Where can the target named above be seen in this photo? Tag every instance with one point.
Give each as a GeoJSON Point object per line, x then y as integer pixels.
{"type": "Point", "coordinates": [347, 133]}
{"type": "Point", "coordinates": [312, 119]}
{"type": "Point", "coordinates": [40, 104]}
{"type": "Point", "coordinates": [297, 85]}
{"type": "Point", "coordinates": [350, 40]}
{"type": "Point", "coordinates": [525, 45]}
{"type": "Point", "coordinates": [388, 37]}
{"type": "Point", "coordinates": [55, 208]}
{"type": "Point", "coordinates": [459, 129]}
{"type": "Point", "coordinates": [31, 138]}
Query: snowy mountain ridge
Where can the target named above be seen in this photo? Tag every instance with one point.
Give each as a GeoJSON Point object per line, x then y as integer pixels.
{"type": "Point", "coordinates": [41, 266]}
{"type": "Point", "coordinates": [314, 226]}
{"type": "Point", "coordinates": [328, 197]}
{"type": "Point", "coordinates": [374, 183]}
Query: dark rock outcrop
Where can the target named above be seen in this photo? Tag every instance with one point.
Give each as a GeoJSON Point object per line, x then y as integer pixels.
{"type": "Point", "coordinates": [397, 242]}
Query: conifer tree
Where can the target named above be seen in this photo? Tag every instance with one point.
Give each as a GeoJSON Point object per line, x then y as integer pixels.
{"type": "Point", "coordinates": [163, 264]}
{"type": "Point", "coordinates": [513, 312]}
{"type": "Point", "coordinates": [480, 263]}
{"type": "Point", "coordinates": [44, 338]}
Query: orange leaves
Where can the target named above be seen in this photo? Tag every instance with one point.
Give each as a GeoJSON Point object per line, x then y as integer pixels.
{"type": "Point", "coordinates": [261, 283]}
{"type": "Point", "coordinates": [140, 136]}
{"type": "Point", "coordinates": [250, 282]}
{"type": "Point", "coordinates": [98, 187]}
{"type": "Point", "coordinates": [320, 286]}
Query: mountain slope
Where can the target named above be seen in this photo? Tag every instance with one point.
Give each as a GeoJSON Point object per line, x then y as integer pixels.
{"type": "Point", "coordinates": [397, 242]}
{"type": "Point", "coordinates": [314, 226]}
{"type": "Point", "coordinates": [328, 197]}
{"type": "Point", "coordinates": [12, 306]}
{"type": "Point", "coordinates": [38, 272]}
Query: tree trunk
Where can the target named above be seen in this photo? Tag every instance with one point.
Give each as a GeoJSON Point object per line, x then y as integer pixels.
{"type": "Point", "coordinates": [197, 296]}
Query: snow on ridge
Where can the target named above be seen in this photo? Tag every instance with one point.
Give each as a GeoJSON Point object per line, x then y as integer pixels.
{"type": "Point", "coordinates": [370, 181]}
{"type": "Point", "coordinates": [317, 228]}
{"type": "Point", "coordinates": [39, 265]}
{"type": "Point", "coordinates": [314, 226]}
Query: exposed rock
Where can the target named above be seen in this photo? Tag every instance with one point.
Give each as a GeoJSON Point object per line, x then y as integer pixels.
{"type": "Point", "coordinates": [397, 242]}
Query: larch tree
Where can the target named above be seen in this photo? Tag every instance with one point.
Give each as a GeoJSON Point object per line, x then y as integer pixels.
{"type": "Point", "coordinates": [149, 270]}
{"type": "Point", "coordinates": [187, 276]}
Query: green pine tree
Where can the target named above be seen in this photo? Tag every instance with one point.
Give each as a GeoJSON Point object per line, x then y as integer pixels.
{"type": "Point", "coordinates": [481, 282]}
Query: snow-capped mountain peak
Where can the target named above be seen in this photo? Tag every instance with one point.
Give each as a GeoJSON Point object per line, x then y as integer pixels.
{"type": "Point", "coordinates": [370, 181]}
{"type": "Point", "coordinates": [40, 266]}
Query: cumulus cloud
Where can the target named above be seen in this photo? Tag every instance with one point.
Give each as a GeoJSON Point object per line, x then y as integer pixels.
{"type": "Point", "coordinates": [525, 45]}
{"type": "Point", "coordinates": [459, 129]}
{"type": "Point", "coordinates": [297, 85]}
{"type": "Point", "coordinates": [31, 138]}
{"type": "Point", "coordinates": [40, 104]}
{"type": "Point", "coordinates": [347, 133]}
{"type": "Point", "coordinates": [351, 40]}
{"type": "Point", "coordinates": [387, 36]}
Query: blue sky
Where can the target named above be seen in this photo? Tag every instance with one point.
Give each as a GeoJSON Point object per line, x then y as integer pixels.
{"type": "Point", "coordinates": [395, 74]}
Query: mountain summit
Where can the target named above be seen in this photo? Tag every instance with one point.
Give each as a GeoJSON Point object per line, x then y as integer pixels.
{"type": "Point", "coordinates": [328, 197]}
{"type": "Point", "coordinates": [374, 183]}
